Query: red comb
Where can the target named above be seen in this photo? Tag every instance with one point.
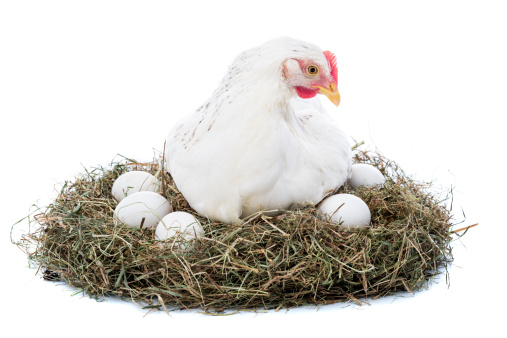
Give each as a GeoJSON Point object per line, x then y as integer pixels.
{"type": "Point", "coordinates": [331, 58]}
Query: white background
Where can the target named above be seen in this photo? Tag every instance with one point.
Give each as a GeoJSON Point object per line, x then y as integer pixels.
{"type": "Point", "coordinates": [425, 82]}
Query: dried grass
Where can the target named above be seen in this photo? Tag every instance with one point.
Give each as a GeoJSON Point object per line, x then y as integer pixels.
{"type": "Point", "coordinates": [269, 262]}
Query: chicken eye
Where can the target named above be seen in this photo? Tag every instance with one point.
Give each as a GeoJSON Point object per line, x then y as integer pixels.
{"type": "Point", "coordinates": [312, 70]}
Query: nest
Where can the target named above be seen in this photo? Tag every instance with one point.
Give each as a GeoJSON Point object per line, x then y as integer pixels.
{"type": "Point", "coordinates": [289, 260]}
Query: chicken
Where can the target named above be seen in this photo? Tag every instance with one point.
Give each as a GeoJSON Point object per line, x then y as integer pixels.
{"type": "Point", "coordinates": [263, 141]}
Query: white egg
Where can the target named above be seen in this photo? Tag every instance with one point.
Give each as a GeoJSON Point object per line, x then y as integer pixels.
{"type": "Point", "coordinates": [132, 182]}
{"type": "Point", "coordinates": [365, 175]}
{"type": "Point", "coordinates": [146, 205]}
{"type": "Point", "coordinates": [183, 222]}
{"type": "Point", "coordinates": [346, 208]}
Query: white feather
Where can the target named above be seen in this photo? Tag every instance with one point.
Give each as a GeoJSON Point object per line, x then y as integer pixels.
{"type": "Point", "coordinates": [256, 145]}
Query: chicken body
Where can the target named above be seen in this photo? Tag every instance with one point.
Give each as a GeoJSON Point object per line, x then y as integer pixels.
{"type": "Point", "coordinates": [256, 144]}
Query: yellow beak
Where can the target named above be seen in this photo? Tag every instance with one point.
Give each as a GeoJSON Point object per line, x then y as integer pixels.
{"type": "Point", "coordinates": [331, 93]}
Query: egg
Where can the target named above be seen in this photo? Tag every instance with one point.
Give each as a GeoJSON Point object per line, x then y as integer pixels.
{"type": "Point", "coordinates": [347, 209]}
{"type": "Point", "coordinates": [365, 175]}
{"type": "Point", "coordinates": [183, 222]}
{"type": "Point", "coordinates": [132, 182]}
{"type": "Point", "coordinates": [146, 205]}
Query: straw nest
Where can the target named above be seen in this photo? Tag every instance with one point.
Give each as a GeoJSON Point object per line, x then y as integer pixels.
{"type": "Point", "coordinates": [268, 262]}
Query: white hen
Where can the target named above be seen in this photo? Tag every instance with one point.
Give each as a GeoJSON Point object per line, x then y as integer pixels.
{"type": "Point", "coordinates": [262, 141]}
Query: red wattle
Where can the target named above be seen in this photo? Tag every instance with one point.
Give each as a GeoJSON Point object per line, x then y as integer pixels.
{"type": "Point", "coordinates": [306, 93]}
